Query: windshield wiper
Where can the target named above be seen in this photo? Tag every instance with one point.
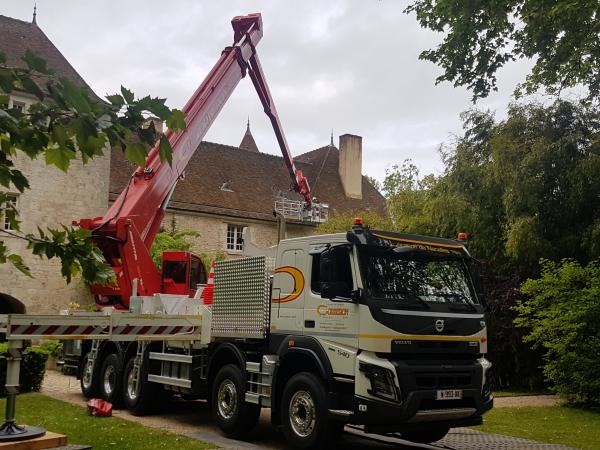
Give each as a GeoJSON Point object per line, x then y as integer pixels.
{"type": "Point", "coordinates": [403, 300]}
{"type": "Point", "coordinates": [466, 301]}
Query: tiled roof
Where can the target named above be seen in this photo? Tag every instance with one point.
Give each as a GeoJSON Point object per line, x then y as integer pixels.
{"type": "Point", "coordinates": [17, 36]}
{"type": "Point", "coordinates": [256, 179]}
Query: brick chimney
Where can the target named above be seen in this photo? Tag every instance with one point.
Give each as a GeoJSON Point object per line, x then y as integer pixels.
{"type": "Point", "coordinates": [350, 168]}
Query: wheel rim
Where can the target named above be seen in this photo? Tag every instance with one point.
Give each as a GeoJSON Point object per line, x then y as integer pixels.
{"type": "Point", "coordinates": [227, 399]}
{"type": "Point", "coordinates": [109, 380]}
{"type": "Point", "coordinates": [302, 413]}
{"type": "Point", "coordinates": [86, 378]}
{"type": "Point", "coordinates": [132, 391]}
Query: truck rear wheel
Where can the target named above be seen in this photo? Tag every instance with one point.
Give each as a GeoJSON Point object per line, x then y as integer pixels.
{"type": "Point", "coordinates": [111, 378]}
{"type": "Point", "coordinates": [305, 415]}
{"type": "Point", "coordinates": [234, 416]}
{"type": "Point", "coordinates": [139, 398]}
{"type": "Point", "coordinates": [425, 437]}
{"type": "Point", "coordinates": [88, 377]}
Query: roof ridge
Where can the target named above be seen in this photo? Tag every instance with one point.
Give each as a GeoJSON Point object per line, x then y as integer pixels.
{"type": "Point", "coordinates": [2, 16]}
{"type": "Point", "coordinates": [237, 149]}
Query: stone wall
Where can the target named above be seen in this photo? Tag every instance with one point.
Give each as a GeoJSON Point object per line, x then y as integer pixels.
{"type": "Point", "coordinates": [213, 231]}
{"type": "Point", "coordinates": [54, 198]}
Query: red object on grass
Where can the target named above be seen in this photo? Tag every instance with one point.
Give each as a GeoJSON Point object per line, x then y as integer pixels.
{"type": "Point", "coordinates": [99, 408]}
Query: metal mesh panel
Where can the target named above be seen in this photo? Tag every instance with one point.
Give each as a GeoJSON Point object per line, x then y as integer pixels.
{"type": "Point", "coordinates": [241, 298]}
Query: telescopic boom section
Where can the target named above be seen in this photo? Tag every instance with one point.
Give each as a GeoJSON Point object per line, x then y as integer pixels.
{"type": "Point", "coordinates": [127, 230]}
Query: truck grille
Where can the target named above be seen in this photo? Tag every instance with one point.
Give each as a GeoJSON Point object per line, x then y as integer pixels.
{"type": "Point", "coordinates": [447, 380]}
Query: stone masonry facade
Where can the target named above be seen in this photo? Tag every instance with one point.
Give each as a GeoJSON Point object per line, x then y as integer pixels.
{"type": "Point", "coordinates": [55, 198]}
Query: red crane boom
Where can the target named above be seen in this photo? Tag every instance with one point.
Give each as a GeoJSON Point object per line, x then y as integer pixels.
{"type": "Point", "coordinates": [127, 230]}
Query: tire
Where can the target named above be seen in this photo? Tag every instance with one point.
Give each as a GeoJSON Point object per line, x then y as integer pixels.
{"type": "Point", "coordinates": [142, 401]}
{"type": "Point", "coordinates": [425, 437]}
{"type": "Point", "coordinates": [110, 380]}
{"type": "Point", "coordinates": [230, 411]}
{"type": "Point", "coordinates": [88, 380]}
{"type": "Point", "coordinates": [304, 413]}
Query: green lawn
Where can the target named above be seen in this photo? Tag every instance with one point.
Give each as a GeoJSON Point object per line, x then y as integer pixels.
{"type": "Point", "coordinates": [516, 393]}
{"type": "Point", "coordinates": [552, 424]}
{"type": "Point", "coordinates": [99, 432]}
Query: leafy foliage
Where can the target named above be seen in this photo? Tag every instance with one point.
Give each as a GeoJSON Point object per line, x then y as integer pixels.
{"type": "Point", "coordinates": [343, 222]}
{"type": "Point", "coordinates": [33, 368]}
{"type": "Point", "coordinates": [171, 239]}
{"type": "Point", "coordinates": [480, 37]}
{"type": "Point", "coordinates": [525, 188]}
{"type": "Point", "coordinates": [66, 123]}
{"type": "Point", "coordinates": [562, 312]}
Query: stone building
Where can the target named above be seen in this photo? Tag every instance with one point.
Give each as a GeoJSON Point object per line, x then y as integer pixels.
{"type": "Point", "coordinates": [225, 189]}
{"type": "Point", "coordinates": [228, 188]}
{"type": "Point", "coordinates": [54, 198]}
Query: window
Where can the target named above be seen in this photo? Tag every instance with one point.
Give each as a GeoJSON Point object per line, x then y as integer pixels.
{"type": "Point", "coordinates": [21, 106]}
{"type": "Point", "coordinates": [175, 270]}
{"type": "Point", "coordinates": [337, 271]}
{"type": "Point", "coordinates": [234, 241]}
{"type": "Point", "coordinates": [197, 273]}
{"type": "Point", "coordinates": [10, 204]}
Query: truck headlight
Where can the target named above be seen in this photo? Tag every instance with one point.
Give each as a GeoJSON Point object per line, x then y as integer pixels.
{"type": "Point", "coordinates": [382, 381]}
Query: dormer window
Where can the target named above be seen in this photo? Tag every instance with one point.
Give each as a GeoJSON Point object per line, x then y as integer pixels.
{"type": "Point", "coordinates": [226, 187]}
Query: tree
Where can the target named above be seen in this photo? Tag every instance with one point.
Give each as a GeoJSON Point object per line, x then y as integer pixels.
{"type": "Point", "coordinates": [561, 311]}
{"type": "Point", "coordinates": [338, 223]}
{"type": "Point", "coordinates": [480, 37]}
{"type": "Point", "coordinates": [69, 122]}
{"type": "Point", "coordinates": [171, 239]}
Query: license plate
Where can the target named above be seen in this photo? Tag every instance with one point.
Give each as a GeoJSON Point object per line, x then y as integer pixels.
{"type": "Point", "coordinates": [449, 394]}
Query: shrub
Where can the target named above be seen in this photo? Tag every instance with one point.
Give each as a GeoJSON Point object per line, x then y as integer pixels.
{"type": "Point", "coordinates": [53, 348]}
{"type": "Point", "coordinates": [33, 368]}
{"type": "Point", "coordinates": [562, 312]}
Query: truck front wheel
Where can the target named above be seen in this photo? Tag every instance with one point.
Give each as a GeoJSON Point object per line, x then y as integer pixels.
{"type": "Point", "coordinates": [304, 413]}
{"type": "Point", "coordinates": [234, 416]}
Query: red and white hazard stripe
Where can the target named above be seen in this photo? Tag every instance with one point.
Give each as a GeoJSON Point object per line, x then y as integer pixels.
{"type": "Point", "coordinates": [147, 330]}
{"type": "Point", "coordinates": [207, 293]}
{"type": "Point", "coordinates": [56, 330]}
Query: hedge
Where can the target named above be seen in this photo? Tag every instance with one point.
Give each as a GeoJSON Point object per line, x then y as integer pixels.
{"type": "Point", "coordinates": [33, 368]}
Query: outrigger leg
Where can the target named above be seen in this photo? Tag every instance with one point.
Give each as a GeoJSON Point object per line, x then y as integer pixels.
{"type": "Point", "coordinates": [10, 431]}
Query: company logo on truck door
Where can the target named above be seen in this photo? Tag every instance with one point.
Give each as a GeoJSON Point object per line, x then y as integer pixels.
{"type": "Point", "coordinates": [298, 278]}
{"type": "Point", "coordinates": [324, 310]}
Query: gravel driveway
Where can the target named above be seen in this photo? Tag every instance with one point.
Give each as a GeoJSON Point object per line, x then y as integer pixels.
{"type": "Point", "coordinates": [193, 419]}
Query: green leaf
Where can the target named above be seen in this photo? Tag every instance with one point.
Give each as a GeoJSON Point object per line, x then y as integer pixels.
{"type": "Point", "coordinates": [154, 105]}
{"type": "Point", "coordinates": [7, 79]}
{"type": "Point", "coordinates": [17, 261]}
{"type": "Point", "coordinates": [4, 99]}
{"type": "Point", "coordinates": [177, 120]}
{"type": "Point", "coordinates": [60, 157]}
{"type": "Point", "coordinates": [30, 86]}
{"type": "Point", "coordinates": [11, 216]}
{"type": "Point", "coordinates": [36, 63]}
{"type": "Point", "coordinates": [136, 153]}
{"type": "Point", "coordinates": [75, 96]}
{"type": "Point", "coordinates": [127, 94]}
{"type": "Point", "coordinates": [115, 99]}
{"type": "Point", "coordinates": [165, 152]}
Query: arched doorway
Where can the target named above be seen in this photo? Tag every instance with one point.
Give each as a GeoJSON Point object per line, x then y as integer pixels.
{"type": "Point", "coordinates": [10, 305]}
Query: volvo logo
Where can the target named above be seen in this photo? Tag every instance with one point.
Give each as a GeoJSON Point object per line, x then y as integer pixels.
{"type": "Point", "coordinates": [439, 325]}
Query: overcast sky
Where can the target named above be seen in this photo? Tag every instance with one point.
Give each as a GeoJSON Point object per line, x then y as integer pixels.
{"type": "Point", "coordinates": [347, 65]}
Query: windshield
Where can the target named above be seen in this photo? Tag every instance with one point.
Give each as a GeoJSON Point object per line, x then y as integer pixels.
{"type": "Point", "coordinates": [412, 276]}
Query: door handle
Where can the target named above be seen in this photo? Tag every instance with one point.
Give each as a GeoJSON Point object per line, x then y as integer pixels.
{"type": "Point", "coordinates": [309, 324]}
